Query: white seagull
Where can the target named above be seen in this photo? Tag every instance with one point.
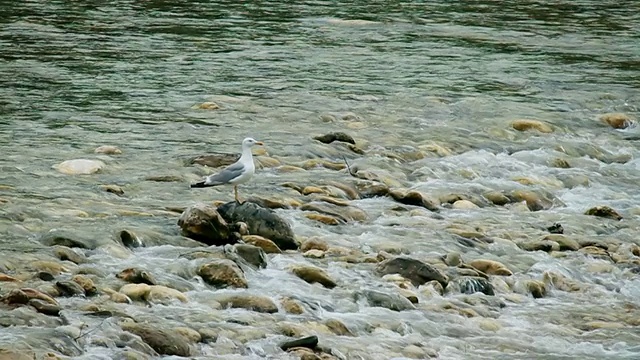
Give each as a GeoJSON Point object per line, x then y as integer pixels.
{"type": "Point", "coordinates": [235, 174]}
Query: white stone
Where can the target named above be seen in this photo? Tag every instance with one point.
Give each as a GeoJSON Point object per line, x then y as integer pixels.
{"type": "Point", "coordinates": [79, 166]}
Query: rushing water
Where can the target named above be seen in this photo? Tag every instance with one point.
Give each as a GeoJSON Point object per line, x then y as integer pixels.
{"type": "Point", "coordinates": [400, 77]}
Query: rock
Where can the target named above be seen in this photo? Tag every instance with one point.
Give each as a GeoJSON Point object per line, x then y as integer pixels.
{"type": "Point", "coordinates": [44, 307]}
{"type": "Point", "coordinates": [62, 238]}
{"type": "Point", "coordinates": [214, 160]}
{"type": "Point", "coordinates": [368, 190]}
{"type": "Point", "coordinates": [114, 189]}
{"type": "Point", "coordinates": [129, 239]}
{"type": "Point", "coordinates": [309, 342]}
{"type": "Point", "coordinates": [395, 302]}
{"type": "Point", "coordinates": [490, 267]}
{"type": "Point", "coordinates": [617, 120]}
{"type": "Point", "coordinates": [135, 275]}
{"type": "Point", "coordinates": [312, 190]}
{"type": "Point", "coordinates": [86, 284]}
{"type": "Point", "coordinates": [24, 295]}
{"type": "Point", "coordinates": [192, 335]}
{"type": "Point", "coordinates": [414, 198]}
{"type": "Point", "coordinates": [564, 243]}
{"type": "Point", "coordinates": [524, 125]}
{"type": "Point", "coordinates": [79, 167]}
{"type": "Point", "coordinates": [497, 198]}
{"type": "Point", "coordinates": [453, 259]}
{"type": "Point", "coordinates": [164, 342]}
{"type": "Point", "coordinates": [162, 294]}
{"type": "Point", "coordinates": [137, 292]}
{"type": "Point", "coordinates": [325, 219]}
{"type": "Point", "coordinates": [265, 244]}
{"type": "Point", "coordinates": [560, 281]}
{"type": "Point", "coordinates": [556, 228]}
{"type": "Point", "coordinates": [540, 245]}
{"type": "Point", "coordinates": [260, 221]}
{"type": "Point", "coordinates": [252, 254]}
{"type": "Point", "coordinates": [344, 213]}
{"type": "Point", "coordinates": [204, 223]}
{"type": "Point", "coordinates": [250, 302]}
{"type": "Point", "coordinates": [338, 327]}
{"type": "Point", "coordinates": [67, 254]}
{"type": "Point", "coordinates": [291, 306]}
{"type": "Point", "coordinates": [314, 243]}
{"type": "Point", "coordinates": [336, 136]}
{"type": "Point", "coordinates": [207, 105]}
{"type": "Point", "coordinates": [286, 203]}
{"type": "Point", "coordinates": [604, 211]}
{"type": "Point", "coordinates": [414, 270]}
{"type": "Point", "coordinates": [535, 202]}
{"type": "Point", "coordinates": [314, 254]}
{"type": "Point", "coordinates": [7, 278]}
{"type": "Point", "coordinates": [313, 275]}
{"type": "Point", "coordinates": [108, 150]}
{"type": "Point", "coordinates": [70, 288]}
{"type": "Point", "coordinates": [464, 205]}
{"type": "Point", "coordinates": [222, 273]}
{"type": "Point", "coordinates": [536, 288]}
{"type": "Point", "coordinates": [471, 285]}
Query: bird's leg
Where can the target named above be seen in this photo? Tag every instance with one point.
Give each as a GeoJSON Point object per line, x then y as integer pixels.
{"type": "Point", "coordinates": [235, 191]}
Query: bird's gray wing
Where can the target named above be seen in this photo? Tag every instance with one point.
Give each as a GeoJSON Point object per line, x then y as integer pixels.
{"type": "Point", "coordinates": [229, 173]}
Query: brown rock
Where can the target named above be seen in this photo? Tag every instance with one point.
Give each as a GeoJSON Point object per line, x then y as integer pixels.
{"type": "Point", "coordinates": [114, 189]}
{"type": "Point", "coordinates": [163, 341]}
{"type": "Point", "coordinates": [336, 136]}
{"type": "Point", "coordinates": [136, 276]}
{"type": "Point", "coordinates": [313, 274]}
{"type": "Point", "coordinates": [535, 202]}
{"type": "Point", "coordinates": [139, 292]}
{"type": "Point", "coordinates": [250, 302]}
{"type": "Point", "coordinates": [490, 267]}
{"type": "Point", "coordinates": [5, 277]}
{"type": "Point", "coordinates": [208, 105]}
{"type": "Point", "coordinates": [325, 219]}
{"type": "Point", "coordinates": [338, 327]}
{"type": "Point", "coordinates": [343, 213]}
{"type": "Point", "coordinates": [537, 288]}
{"type": "Point", "coordinates": [414, 270]}
{"type": "Point", "coordinates": [525, 125]}
{"type": "Point", "coordinates": [202, 222]}
{"type": "Point", "coordinates": [222, 273]}
{"type": "Point", "coordinates": [414, 198]}
{"type": "Point", "coordinates": [497, 198]}
{"type": "Point", "coordinates": [617, 120]}
{"type": "Point", "coordinates": [291, 306]}
{"type": "Point", "coordinates": [265, 244]}
{"type": "Point", "coordinates": [86, 283]}
{"type": "Point", "coordinates": [314, 243]}
{"type": "Point", "coordinates": [564, 242]}
{"type": "Point", "coordinates": [215, 160]}
{"type": "Point", "coordinates": [604, 211]}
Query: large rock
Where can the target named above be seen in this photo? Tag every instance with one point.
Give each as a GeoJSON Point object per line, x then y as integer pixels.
{"type": "Point", "coordinates": [415, 198]}
{"type": "Point", "coordinates": [63, 238]}
{"type": "Point", "coordinates": [604, 211]}
{"type": "Point", "coordinates": [79, 166]}
{"type": "Point", "coordinates": [312, 274]}
{"type": "Point", "coordinates": [414, 270]}
{"type": "Point", "coordinates": [202, 222]}
{"type": "Point", "coordinates": [165, 342]}
{"type": "Point", "coordinates": [490, 267]}
{"type": "Point", "coordinates": [222, 273]}
{"type": "Point", "coordinates": [260, 221]}
{"type": "Point", "coordinates": [253, 255]}
{"type": "Point", "coordinates": [526, 124]}
{"type": "Point", "coordinates": [395, 302]}
{"type": "Point", "coordinates": [250, 302]}
{"type": "Point", "coordinates": [617, 120]}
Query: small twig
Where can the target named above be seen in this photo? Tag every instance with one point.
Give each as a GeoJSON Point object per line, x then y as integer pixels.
{"type": "Point", "coordinates": [348, 167]}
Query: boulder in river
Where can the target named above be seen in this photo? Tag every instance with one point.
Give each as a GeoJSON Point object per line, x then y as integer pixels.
{"type": "Point", "coordinates": [617, 120]}
{"type": "Point", "coordinates": [604, 211]}
{"type": "Point", "coordinates": [164, 341]}
{"type": "Point", "coordinates": [526, 124]}
{"type": "Point", "coordinates": [79, 167]}
{"type": "Point", "coordinates": [312, 274]}
{"type": "Point", "coordinates": [202, 222]}
{"type": "Point", "coordinates": [414, 270]}
{"type": "Point", "coordinates": [260, 221]}
{"type": "Point", "coordinates": [250, 302]}
{"type": "Point", "coordinates": [222, 273]}
{"type": "Point", "coordinates": [336, 136]}
{"type": "Point", "coordinates": [415, 198]}
{"type": "Point", "coordinates": [490, 267]}
{"type": "Point", "coordinates": [391, 301]}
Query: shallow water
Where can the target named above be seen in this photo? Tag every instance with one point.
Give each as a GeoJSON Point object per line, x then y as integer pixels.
{"type": "Point", "coordinates": [400, 78]}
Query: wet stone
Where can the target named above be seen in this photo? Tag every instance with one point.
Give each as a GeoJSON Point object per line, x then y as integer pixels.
{"type": "Point", "coordinates": [250, 302]}
{"type": "Point", "coordinates": [203, 222]}
{"type": "Point", "coordinates": [309, 342]}
{"type": "Point", "coordinates": [163, 341]}
{"type": "Point", "coordinates": [414, 270]}
{"type": "Point", "coordinates": [44, 307]}
{"type": "Point", "coordinates": [67, 254]}
{"type": "Point", "coordinates": [135, 275]}
{"type": "Point", "coordinates": [70, 288]}
{"type": "Point", "coordinates": [605, 212]}
{"type": "Point", "coordinates": [336, 136]}
{"type": "Point", "coordinates": [252, 254]}
{"type": "Point", "coordinates": [222, 273]}
{"type": "Point", "coordinates": [471, 285]}
{"type": "Point", "coordinates": [313, 275]}
{"type": "Point", "coordinates": [392, 301]}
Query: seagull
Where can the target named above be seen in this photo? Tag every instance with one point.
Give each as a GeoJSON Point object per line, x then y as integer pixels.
{"type": "Point", "coordinates": [235, 174]}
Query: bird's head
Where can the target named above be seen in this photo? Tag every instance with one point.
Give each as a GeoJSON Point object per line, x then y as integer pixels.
{"type": "Point", "coordinates": [249, 142]}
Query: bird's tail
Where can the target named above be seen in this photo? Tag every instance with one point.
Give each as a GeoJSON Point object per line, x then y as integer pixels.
{"type": "Point", "coordinates": [200, 184]}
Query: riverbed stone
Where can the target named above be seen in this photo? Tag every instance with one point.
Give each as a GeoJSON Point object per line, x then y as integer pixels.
{"type": "Point", "coordinates": [344, 213]}
{"type": "Point", "coordinates": [252, 254]}
{"type": "Point", "coordinates": [86, 284]}
{"type": "Point", "coordinates": [291, 306]}
{"type": "Point", "coordinates": [391, 301]}
{"type": "Point", "coordinates": [222, 273]}
{"type": "Point", "coordinates": [464, 205]}
{"type": "Point", "coordinates": [312, 275]}
{"type": "Point", "coordinates": [203, 222]}
{"type": "Point", "coordinates": [324, 219]}
{"type": "Point", "coordinates": [68, 239]}
{"type": "Point", "coordinates": [136, 292]}
{"type": "Point", "coordinates": [535, 201]}
{"type": "Point", "coordinates": [79, 167]}
{"type": "Point", "coordinates": [335, 136]}
{"type": "Point", "coordinates": [251, 302]}
{"type": "Point", "coordinates": [617, 120]}
{"type": "Point", "coordinates": [265, 244]}
{"type": "Point", "coordinates": [214, 160]}
{"type": "Point", "coordinates": [416, 271]}
{"type": "Point", "coordinates": [564, 242]}
{"type": "Point", "coordinates": [527, 124]}
{"type": "Point", "coordinates": [490, 267]}
{"type": "Point", "coordinates": [415, 198]}
{"type": "Point", "coordinates": [164, 341]}
{"type": "Point", "coordinates": [605, 212]}
{"type": "Point", "coordinates": [471, 285]}
{"type": "Point", "coordinates": [135, 275]}
{"type": "Point", "coordinates": [261, 221]}
{"type": "Point", "coordinates": [108, 150]}
{"type": "Point", "coordinates": [314, 243]}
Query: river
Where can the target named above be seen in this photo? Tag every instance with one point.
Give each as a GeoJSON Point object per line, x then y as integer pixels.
{"type": "Point", "coordinates": [435, 94]}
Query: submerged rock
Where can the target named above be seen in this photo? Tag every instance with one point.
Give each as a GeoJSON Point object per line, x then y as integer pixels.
{"type": "Point", "coordinates": [79, 167]}
{"type": "Point", "coordinates": [250, 302]}
{"type": "Point", "coordinates": [309, 342]}
{"type": "Point", "coordinates": [556, 228]}
{"type": "Point", "coordinates": [395, 302]}
{"type": "Point", "coordinates": [336, 136]}
{"type": "Point", "coordinates": [108, 150]}
{"type": "Point", "coordinates": [525, 124]}
{"type": "Point", "coordinates": [490, 267]}
{"type": "Point", "coordinates": [254, 255]}
{"type": "Point", "coordinates": [135, 275]}
{"type": "Point", "coordinates": [203, 223]}
{"type": "Point", "coordinates": [222, 273]}
{"type": "Point", "coordinates": [604, 211]}
{"type": "Point", "coordinates": [470, 285]}
{"type": "Point", "coordinates": [414, 270]}
{"type": "Point", "coordinates": [265, 244]}
{"type": "Point", "coordinates": [346, 213]}
{"type": "Point", "coordinates": [617, 120]}
{"type": "Point", "coordinates": [414, 198]}
{"type": "Point", "coordinates": [63, 238]}
{"type": "Point", "coordinates": [165, 342]}
{"type": "Point", "coordinates": [260, 221]}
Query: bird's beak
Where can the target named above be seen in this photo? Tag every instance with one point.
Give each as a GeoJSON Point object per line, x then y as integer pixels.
{"type": "Point", "coordinates": [259, 143]}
